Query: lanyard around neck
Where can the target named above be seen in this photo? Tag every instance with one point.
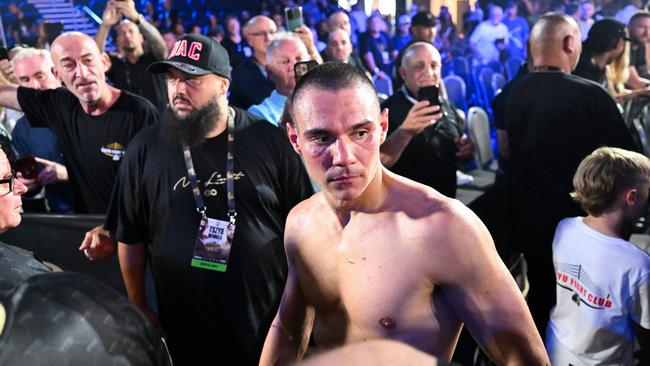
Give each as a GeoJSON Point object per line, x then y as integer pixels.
{"type": "Point", "coordinates": [230, 180]}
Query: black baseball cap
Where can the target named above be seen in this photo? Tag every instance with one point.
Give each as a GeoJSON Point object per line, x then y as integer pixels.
{"type": "Point", "coordinates": [604, 34]}
{"type": "Point", "coordinates": [424, 18]}
{"type": "Point", "coordinates": [195, 55]}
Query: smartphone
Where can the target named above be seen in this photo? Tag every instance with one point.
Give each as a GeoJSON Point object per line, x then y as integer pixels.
{"type": "Point", "coordinates": [303, 67]}
{"type": "Point", "coordinates": [28, 167]}
{"type": "Point", "coordinates": [293, 17]}
{"type": "Point", "coordinates": [429, 93]}
{"type": "Point", "coordinates": [4, 53]}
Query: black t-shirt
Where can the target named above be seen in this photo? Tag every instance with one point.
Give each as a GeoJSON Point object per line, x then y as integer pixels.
{"type": "Point", "coordinates": [637, 59]}
{"type": "Point", "coordinates": [588, 70]}
{"type": "Point", "coordinates": [429, 158]}
{"type": "Point", "coordinates": [136, 79]}
{"type": "Point", "coordinates": [213, 316]}
{"type": "Point", "coordinates": [499, 101]}
{"type": "Point", "coordinates": [71, 319]}
{"type": "Point", "coordinates": [553, 121]}
{"type": "Point", "coordinates": [92, 146]}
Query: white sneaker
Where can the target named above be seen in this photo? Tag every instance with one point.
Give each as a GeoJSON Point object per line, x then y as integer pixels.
{"type": "Point", "coordinates": [463, 179]}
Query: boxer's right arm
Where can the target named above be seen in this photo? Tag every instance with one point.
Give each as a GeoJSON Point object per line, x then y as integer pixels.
{"type": "Point", "coordinates": [9, 97]}
{"type": "Point", "coordinates": [288, 337]}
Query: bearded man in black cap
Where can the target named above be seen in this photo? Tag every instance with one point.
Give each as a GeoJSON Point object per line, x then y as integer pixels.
{"type": "Point", "coordinates": [206, 193]}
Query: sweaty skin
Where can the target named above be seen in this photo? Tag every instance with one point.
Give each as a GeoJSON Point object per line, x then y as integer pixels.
{"type": "Point", "coordinates": [377, 256]}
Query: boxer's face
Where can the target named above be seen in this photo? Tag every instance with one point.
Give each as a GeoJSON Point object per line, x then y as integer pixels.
{"type": "Point", "coordinates": [338, 133]}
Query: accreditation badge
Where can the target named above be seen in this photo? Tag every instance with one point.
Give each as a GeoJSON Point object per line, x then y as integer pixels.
{"type": "Point", "coordinates": [213, 243]}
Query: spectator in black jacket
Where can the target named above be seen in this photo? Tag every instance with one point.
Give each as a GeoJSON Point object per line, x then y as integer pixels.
{"type": "Point", "coordinates": [250, 83]}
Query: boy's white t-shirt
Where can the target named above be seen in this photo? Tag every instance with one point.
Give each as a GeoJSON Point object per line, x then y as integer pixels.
{"type": "Point", "coordinates": [603, 288]}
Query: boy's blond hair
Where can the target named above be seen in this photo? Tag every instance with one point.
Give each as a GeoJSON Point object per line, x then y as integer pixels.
{"type": "Point", "coordinates": [605, 174]}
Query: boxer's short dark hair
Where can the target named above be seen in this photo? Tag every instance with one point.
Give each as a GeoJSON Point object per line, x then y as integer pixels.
{"type": "Point", "coordinates": [333, 76]}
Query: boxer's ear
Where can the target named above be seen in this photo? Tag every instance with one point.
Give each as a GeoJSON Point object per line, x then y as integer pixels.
{"type": "Point", "coordinates": [292, 132]}
{"type": "Point", "coordinates": [383, 123]}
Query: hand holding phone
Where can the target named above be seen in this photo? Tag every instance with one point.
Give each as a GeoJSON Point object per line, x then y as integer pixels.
{"type": "Point", "coordinates": [430, 94]}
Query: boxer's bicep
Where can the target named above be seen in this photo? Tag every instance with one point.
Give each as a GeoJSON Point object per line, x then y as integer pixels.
{"type": "Point", "coordinates": [486, 297]}
{"type": "Point", "coordinates": [483, 293]}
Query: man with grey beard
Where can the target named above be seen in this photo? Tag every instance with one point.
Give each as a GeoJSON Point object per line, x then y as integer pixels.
{"type": "Point", "coordinates": [206, 193]}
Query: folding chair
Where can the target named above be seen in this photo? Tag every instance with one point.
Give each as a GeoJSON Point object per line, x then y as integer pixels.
{"type": "Point", "coordinates": [456, 91]}
{"type": "Point", "coordinates": [512, 65]}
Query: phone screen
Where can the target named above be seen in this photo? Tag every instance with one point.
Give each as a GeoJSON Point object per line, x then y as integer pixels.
{"type": "Point", "coordinates": [303, 67]}
{"type": "Point", "coordinates": [293, 17]}
{"type": "Point", "coordinates": [429, 93]}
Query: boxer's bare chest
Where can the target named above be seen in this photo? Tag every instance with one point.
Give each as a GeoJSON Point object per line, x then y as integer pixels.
{"type": "Point", "coordinates": [371, 279]}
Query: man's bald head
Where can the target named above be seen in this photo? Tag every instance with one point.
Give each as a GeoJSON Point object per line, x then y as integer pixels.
{"type": "Point", "coordinates": [69, 40]}
{"type": "Point", "coordinates": [555, 41]}
{"type": "Point", "coordinates": [257, 20]}
{"type": "Point", "coordinates": [417, 47]}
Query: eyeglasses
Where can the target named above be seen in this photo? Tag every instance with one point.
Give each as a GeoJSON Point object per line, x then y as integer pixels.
{"type": "Point", "coordinates": [10, 180]}
{"type": "Point", "coordinates": [258, 34]}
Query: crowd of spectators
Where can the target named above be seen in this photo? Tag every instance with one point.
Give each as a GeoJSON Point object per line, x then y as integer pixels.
{"type": "Point", "coordinates": [582, 82]}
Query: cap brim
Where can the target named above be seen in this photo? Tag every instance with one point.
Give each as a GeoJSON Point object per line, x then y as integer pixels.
{"type": "Point", "coordinates": [160, 67]}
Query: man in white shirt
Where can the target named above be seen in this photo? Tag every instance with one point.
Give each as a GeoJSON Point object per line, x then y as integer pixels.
{"type": "Point", "coordinates": [489, 37]}
{"type": "Point", "coordinates": [603, 281]}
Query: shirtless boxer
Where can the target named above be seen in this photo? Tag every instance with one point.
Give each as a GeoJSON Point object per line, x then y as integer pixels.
{"type": "Point", "coordinates": [375, 255]}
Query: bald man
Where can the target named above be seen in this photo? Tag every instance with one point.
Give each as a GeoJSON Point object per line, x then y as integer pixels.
{"type": "Point", "coordinates": [424, 143]}
{"type": "Point", "coordinates": [250, 82]}
{"type": "Point", "coordinates": [553, 120]}
{"type": "Point", "coordinates": [93, 121]}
